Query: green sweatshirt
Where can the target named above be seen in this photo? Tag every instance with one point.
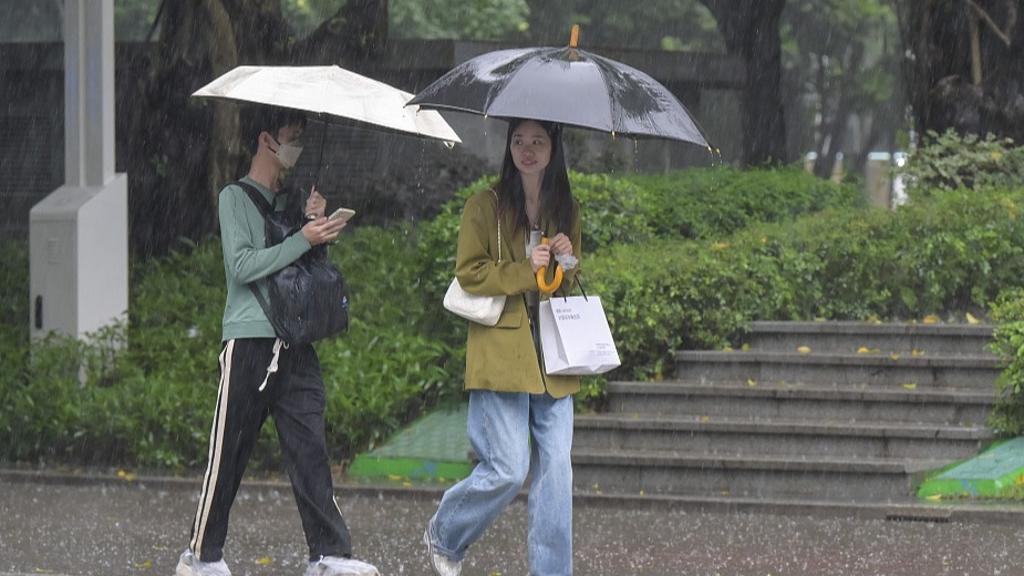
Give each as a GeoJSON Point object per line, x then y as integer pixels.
{"type": "Point", "coordinates": [246, 258]}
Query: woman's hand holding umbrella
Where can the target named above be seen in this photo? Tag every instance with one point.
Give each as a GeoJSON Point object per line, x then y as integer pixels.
{"type": "Point", "coordinates": [560, 245]}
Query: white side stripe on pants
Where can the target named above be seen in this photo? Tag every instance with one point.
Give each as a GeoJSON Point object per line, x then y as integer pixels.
{"type": "Point", "coordinates": [214, 457]}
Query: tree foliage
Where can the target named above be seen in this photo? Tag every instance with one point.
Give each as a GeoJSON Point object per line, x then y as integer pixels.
{"type": "Point", "coordinates": [180, 152]}
{"type": "Point", "coordinates": [841, 56]}
{"type": "Point", "coordinates": [459, 19]}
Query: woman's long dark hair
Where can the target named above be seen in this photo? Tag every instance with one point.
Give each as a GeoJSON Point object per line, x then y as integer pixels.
{"type": "Point", "coordinates": [556, 205]}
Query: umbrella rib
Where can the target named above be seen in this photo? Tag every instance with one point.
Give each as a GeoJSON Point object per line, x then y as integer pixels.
{"type": "Point", "coordinates": [496, 89]}
{"type": "Point", "coordinates": [614, 110]}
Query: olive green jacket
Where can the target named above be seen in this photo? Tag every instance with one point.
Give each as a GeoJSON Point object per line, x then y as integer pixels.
{"type": "Point", "coordinates": [503, 357]}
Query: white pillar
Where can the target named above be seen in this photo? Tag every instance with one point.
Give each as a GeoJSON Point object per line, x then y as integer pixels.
{"type": "Point", "coordinates": [88, 92]}
{"type": "Point", "coordinates": [78, 235]}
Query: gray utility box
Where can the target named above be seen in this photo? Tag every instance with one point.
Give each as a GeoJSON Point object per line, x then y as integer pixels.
{"type": "Point", "coordinates": [78, 258]}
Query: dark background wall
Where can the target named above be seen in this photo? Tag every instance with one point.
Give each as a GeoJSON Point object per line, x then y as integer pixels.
{"type": "Point", "coordinates": [384, 176]}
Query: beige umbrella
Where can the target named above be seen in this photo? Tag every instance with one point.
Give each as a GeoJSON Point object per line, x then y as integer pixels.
{"type": "Point", "coordinates": [329, 91]}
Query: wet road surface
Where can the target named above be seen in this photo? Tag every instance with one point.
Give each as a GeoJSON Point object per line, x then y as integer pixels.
{"type": "Point", "coordinates": [132, 529]}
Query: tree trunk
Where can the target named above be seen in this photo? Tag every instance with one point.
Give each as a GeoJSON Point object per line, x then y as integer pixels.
{"type": "Point", "coordinates": [940, 63]}
{"type": "Point", "coordinates": [750, 29]}
{"type": "Point", "coordinates": [180, 151]}
{"type": "Point", "coordinates": [835, 121]}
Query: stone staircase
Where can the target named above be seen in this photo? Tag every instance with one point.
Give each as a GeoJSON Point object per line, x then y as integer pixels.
{"type": "Point", "coordinates": [817, 411]}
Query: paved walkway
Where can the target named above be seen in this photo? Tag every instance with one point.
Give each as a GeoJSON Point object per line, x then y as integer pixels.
{"type": "Point", "coordinates": [135, 529]}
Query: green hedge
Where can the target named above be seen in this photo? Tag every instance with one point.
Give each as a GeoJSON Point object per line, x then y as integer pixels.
{"type": "Point", "coordinates": [960, 249]}
{"type": "Point", "coordinates": [1008, 312]}
{"type": "Point", "coordinates": [715, 202]}
{"type": "Point", "coordinates": [696, 203]}
{"type": "Point", "coordinates": [950, 161]}
{"type": "Point", "coordinates": [668, 281]}
{"type": "Point", "coordinates": [151, 403]}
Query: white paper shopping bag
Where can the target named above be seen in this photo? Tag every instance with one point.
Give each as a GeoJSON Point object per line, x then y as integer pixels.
{"type": "Point", "coordinates": [575, 337]}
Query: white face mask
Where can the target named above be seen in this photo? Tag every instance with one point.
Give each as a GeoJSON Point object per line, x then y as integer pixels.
{"type": "Point", "coordinates": [288, 154]}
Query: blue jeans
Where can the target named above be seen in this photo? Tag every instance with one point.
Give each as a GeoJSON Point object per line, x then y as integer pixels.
{"type": "Point", "coordinates": [500, 426]}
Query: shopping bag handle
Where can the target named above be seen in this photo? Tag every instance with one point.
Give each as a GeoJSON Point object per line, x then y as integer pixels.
{"type": "Point", "coordinates": [565, 295]}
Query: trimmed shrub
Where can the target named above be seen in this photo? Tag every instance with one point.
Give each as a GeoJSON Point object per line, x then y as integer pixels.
{"type": "Point", "coordinates": [150, 403]}
{"type": "Point", "coordinates": [1008, 312]}
{"type": "Point", "coordinates": [949, 161]}
{"type": "Point", "coordinates": [961, 249]}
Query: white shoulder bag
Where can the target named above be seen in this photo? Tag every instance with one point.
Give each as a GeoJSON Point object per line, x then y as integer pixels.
{"type": "Point", "coordinates": [480, 309]}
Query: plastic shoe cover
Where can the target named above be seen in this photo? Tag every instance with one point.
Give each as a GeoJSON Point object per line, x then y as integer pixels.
{"type": "Point", "coordinates": [188, 565]}
{"type": "Point", "coordinates": [442, 565]}
{"type": "Point", "coordinates": [337, 566]}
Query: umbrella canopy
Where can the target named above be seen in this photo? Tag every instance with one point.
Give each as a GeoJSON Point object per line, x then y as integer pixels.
{"type": "Point", "coordinates": [565, 85]}
{"type": "Point", "coordinates": [329, 91]}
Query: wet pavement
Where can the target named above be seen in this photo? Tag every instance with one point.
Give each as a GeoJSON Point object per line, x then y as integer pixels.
{"type": "Point", "coordinates": [133, 529]}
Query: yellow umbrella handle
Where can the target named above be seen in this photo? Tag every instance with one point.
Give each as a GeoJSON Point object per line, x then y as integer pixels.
{"type": "Point", "coordinates": [542, 272]}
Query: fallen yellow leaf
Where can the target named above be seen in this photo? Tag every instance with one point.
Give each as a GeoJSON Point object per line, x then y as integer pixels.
{"type": "Point", "coordinates": [705, 418]}
{"type": "Point", "coordinates": [934, 497]}
{"type": "Point", "coordinates": [804, 349]}
{"type": "Point", "coordinates": [751, 382]}
{"type": "Point", "coordinates": [144, 565]}
{"type": "Point", "coordinates": [863, 350]}
{"type": "Point", "coordinates": [894, 356]}
{"type": "Point", "coordinates": [916, 352]}
{"type": "Point", "coordinates": [972, 320]}
{"type": "Point", "coordinates": [642, 493]}
{"type": "Point", "coordinates": [265, 561]}
{"type": "Point", "coordinates": [910, 386]}
{"type": "Point", "coordinates": [930, 319]}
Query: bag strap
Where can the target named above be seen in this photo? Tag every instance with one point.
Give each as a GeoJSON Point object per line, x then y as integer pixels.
{"type": "Point", "coordinates": [265, 209]}
{"type": "Point", "coordinates": [261, 203]}
{"type": "Point", "coordinates": [498, 218]}
{"type": "Point", "coordinates": [576, 276]}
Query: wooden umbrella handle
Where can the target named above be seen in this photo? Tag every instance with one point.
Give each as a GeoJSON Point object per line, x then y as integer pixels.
{"type": "Point", "coordinates": [542, 272]}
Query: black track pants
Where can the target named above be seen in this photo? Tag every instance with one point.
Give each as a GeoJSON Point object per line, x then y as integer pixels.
{"type": "Point", "coordinates": [249, 391]}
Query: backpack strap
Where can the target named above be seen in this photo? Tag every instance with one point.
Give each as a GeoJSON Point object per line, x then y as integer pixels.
{"type": "Point", "coordinates": [265, 210]}
{"type": "Point", "coordinates": [261, 203]}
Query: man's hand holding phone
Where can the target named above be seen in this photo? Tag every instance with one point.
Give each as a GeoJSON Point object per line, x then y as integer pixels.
{"type": "Point", "coordinates": [323, 230]}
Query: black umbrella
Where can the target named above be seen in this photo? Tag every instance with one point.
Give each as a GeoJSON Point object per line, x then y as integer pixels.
{"type": "Point", "coordinates": [565, 85]}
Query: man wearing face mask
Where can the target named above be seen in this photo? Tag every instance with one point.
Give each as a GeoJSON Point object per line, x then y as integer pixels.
{"type": "Point", "coordinates": [260, 376]}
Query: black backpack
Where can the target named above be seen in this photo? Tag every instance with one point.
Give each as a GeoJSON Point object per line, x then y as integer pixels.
{"type": "Point", "coordinates": [308, 298]}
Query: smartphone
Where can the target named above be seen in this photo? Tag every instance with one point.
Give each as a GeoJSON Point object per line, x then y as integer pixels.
{"type": "Point", "coordinates": [343, 213]}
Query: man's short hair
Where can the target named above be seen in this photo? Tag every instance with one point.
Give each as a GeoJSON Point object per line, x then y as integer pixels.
{"type": "Point", "coordinates": [267, 119]}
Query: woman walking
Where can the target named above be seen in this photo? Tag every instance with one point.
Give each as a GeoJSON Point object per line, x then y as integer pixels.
{"type": "Point", "coordinates": [520, 419]}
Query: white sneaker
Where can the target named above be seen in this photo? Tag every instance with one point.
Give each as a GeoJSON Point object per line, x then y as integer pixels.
{"type": "Point", "coordinates": [189, 565]}
{"type": "Point", "coordinates": [442, 565]}
{"type": "Point", "coordinates": [338, 566]}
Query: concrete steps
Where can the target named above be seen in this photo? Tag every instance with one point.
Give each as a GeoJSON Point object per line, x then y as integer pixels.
{"type": "Point", "coordinates": [848, 337]}
{"type": "Point", "coordinates": [793, 400]}
{"type": "Point", "coordinates": [685, 474]}
{"type": "Point", "coordinates": [840, 369]}
{"type": "Point", "coordinates": [822, 423]}
{"type": "Point", "coordinates": [779, 437]}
